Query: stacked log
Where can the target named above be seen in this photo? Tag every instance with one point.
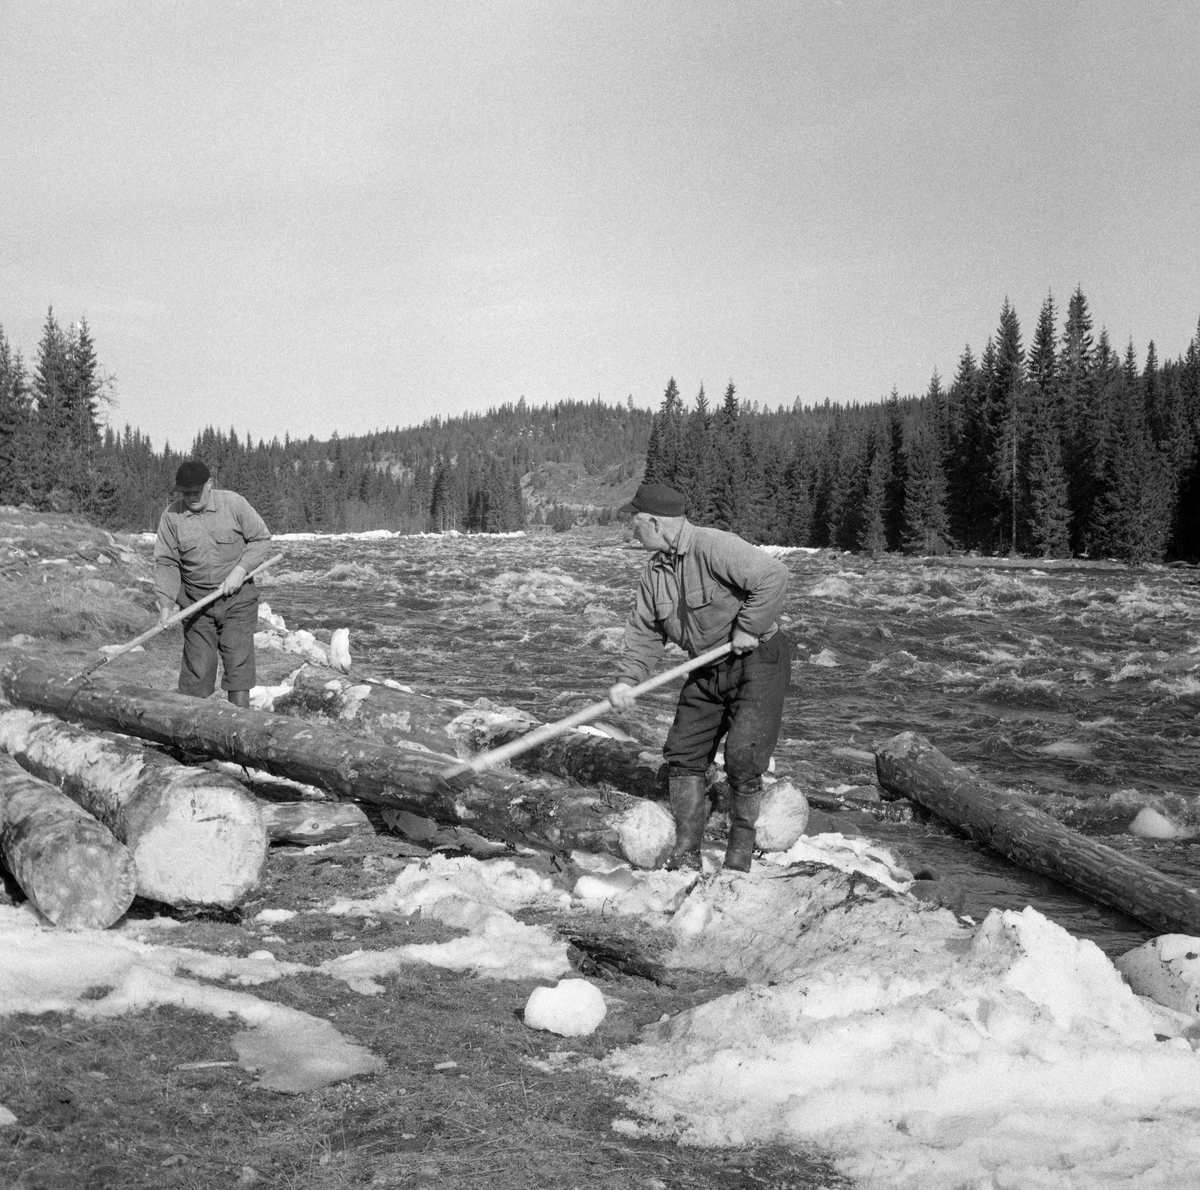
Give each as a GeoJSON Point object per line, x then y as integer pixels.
{"type": "Point", "coordinates": [69, 865]}
{"type": "Point", "coordinates": [197, 837]}
{"type": "Point", "coordinates": [909, 765]}
{"type": "Point", "coordinates": [422, 722]}
{"type": "Point", "coordinates": [400, 717]}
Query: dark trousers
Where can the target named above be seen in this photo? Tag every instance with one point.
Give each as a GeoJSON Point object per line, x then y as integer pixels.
{"type": "Point", "coordinates": [739, 700]}
{"type": "Point", "coordinates": [226, 629]}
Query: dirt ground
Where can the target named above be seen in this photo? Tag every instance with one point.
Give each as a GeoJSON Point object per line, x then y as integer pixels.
{"type": "Point", "coordinates": [157, 1099]}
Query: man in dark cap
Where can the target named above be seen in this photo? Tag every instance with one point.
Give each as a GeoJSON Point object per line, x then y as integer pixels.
{"type": "Point", "coordinates": [701, 588]}
{"type": "Point", "coordinates": [209, 539]}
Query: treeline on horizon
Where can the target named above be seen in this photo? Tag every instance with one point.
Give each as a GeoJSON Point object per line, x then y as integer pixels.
{"type": "Point", "coordinates": [1062, 449]}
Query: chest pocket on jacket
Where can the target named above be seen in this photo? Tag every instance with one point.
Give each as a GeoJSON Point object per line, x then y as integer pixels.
{"type": "Point", "coordinates": [707, 613]}
{"type": "Point", "coordinates": [191, 538]}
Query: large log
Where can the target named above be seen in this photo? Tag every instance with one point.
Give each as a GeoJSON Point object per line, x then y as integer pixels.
{"type": "Point", "coordinates": [196, 837]}
{"type": "Point", "coordinates": [69, 865]}
{"type": "Point", "coordinates": [214, 728]}
{"type": "Point", "coordinates": [401, 717]}
{"type": "Point", "coordinates": [422, 722]}
{"type": "Point", "coordinates": [502, 805]}
{"type": "Point", "coordinates": [598, 760]}
{"type": "Point", "coordinates": [910, 765]}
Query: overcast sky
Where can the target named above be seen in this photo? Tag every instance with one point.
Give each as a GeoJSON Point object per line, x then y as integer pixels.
{"type": "Point", "coordinates": [307, 216]}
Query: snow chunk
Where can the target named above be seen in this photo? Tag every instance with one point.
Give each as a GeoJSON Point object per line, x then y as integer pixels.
{"type": "Point", "coordinates": [573, 1008]}
{"type": "Point", "coordinates": [1167, 969]}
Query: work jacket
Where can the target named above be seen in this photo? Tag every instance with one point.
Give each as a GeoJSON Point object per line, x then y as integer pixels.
{"type": "Point", "coordinates": [196, 551]}
{"type": "Point", "coordinates": [696, 594]}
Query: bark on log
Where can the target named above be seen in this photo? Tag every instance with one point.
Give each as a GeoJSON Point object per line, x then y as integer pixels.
{"type": "Point", "coordinates": [405, 719]}
{"type": "Point", "coordinates": [502, 805]}
{"type": "Point", "coordinates": [313, 822]}
{"type": "Point", "coordinates": [69, 865]}
{"type": "Point", "coordinates": [910, 765]}
{"type": "Point", "coordinates": [594, 760]}
{"type": "Point", "coordinates": [213, 728]}
{"type": "Point", "coordinates": [196, 837]}
{"type": "Point", "coordinates": [402, 718]}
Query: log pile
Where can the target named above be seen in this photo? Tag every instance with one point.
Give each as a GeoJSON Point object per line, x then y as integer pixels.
{"type": "Point", "coordinates": [503, 805]}
{"type": "Point", "coordinates": [196, 837]}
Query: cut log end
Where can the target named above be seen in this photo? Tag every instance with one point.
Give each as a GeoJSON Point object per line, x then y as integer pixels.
{"type": "Point", "coordinates": [205, 844]}
{"type": "Point", "coordinates": [88, 887]}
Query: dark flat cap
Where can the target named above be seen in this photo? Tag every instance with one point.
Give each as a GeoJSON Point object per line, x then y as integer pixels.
{"type": "Point", "coordinates": [657, 499]}
{"type": "Point", "coordinates": [192, 474]}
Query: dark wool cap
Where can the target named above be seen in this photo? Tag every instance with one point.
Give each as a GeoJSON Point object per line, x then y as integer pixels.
{"type": "Point", "coordinates": [657, 499]}
{"type": "Point", "coordinates": [192, 474]}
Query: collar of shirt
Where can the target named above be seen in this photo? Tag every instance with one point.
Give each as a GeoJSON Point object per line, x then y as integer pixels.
{"type": "Point", "coordinates": [682, 544]}
{"type": "Point", "coordinates": [209, 505]}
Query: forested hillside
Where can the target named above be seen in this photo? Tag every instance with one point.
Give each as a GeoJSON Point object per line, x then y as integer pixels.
{"type": "Point", "coordinates": [1061, 448]}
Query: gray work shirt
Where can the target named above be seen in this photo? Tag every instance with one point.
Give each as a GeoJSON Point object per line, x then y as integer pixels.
{"type": "Point", "coordinates": [196, 551]}
{"type": "Point", "coordinates": [696, 595]}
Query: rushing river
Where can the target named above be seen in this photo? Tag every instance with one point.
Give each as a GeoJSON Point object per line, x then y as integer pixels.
{"type": "Point", "coordinates": [1077, 685]}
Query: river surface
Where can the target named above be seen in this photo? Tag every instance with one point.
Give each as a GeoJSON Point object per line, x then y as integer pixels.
{"type": "Point", "coordinates": [1078, 685]}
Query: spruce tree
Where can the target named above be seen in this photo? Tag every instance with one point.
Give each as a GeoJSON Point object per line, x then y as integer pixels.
{"type": "Point", "coordinates": [1007, 413]}
{"type": "Point", "coordinates": [694, 480]}
{"type": "Point", "coordinates": [1080, 386]}
{"type": "Point", "coordinates": [1135, 510]}
{"type": "Point", "coordinates": [16, 415]}
{"type": "Point", "coordinates": [897, 472]}
{"type": "Point", "coordinates": [927, 523]}
{"type": "Point", "coordinates": [873, 528]}
{"type": "Point", "coordinates": [1049, 505]}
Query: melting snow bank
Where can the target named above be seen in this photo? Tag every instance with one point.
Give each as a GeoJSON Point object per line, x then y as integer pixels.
{"type": "Point", "coordinates": [918, 1050]}
{"type": "Point", "coordinates": [920, 1053]}
{"type": "Point", "coordinates": [54, 971]}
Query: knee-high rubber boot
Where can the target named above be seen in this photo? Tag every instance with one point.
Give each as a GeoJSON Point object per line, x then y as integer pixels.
{"type": "Point", "coordinates": [689, 805]}
{"type": "Point", "coordinates": [744, 803]}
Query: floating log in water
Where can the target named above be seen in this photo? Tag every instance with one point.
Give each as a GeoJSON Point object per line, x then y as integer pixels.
{"type": "Point", "coordinates": [313, 822]}
{"type": "Point", "coordinates": [504, 806]}
{"type": "Point", "coordinates": [910, 765]}
{"type": "Point", "coordinates": [69, 865]}
{"type": "Point", "coordinates": [197, 837]}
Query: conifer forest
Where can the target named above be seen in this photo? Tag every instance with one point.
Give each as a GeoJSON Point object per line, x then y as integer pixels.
{"type": "Point", "coordinates": [1059, 446]}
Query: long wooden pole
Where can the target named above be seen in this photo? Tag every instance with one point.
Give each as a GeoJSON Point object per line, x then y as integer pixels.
{"type": "Point", "coordinates": [179, 615]}
{"type": "Point", "coordinates": [910, 765]}
{"type": "Point", "coordinates": [549, 731]}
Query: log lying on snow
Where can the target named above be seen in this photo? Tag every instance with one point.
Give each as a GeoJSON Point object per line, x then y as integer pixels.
{"type": "Point", "coordinates": [910, 765]}
{"type": "Point", "coordinates": [69, 865]}
{"type": "Point", "coordinates": [504, 806]}
{"type": "Point", "coordinates": [197, 837]}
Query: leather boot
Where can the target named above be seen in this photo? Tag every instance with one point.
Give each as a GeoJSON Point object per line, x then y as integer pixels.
{"type": "Point", "coordinates": [744, 803]}
{"type": "Point", "coordinates": [689, 805]}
